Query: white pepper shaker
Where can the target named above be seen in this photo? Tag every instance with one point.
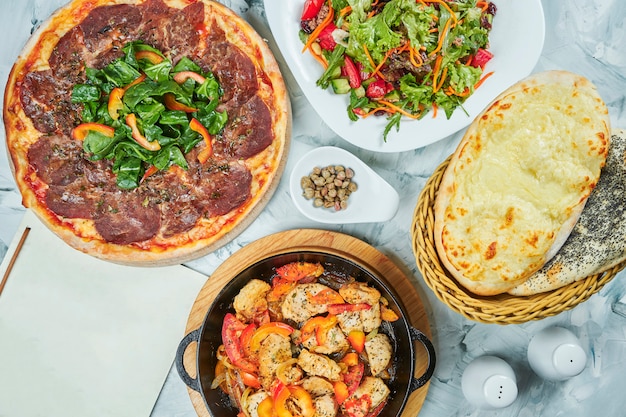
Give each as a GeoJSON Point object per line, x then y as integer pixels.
{"type": "Point", "coordinates": [489, 382]}
{"type": "Point", "coordinates": [555, 354]}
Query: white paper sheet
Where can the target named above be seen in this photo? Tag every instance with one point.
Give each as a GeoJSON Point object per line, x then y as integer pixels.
{"type": "Point", "coordinates": [81, 337]}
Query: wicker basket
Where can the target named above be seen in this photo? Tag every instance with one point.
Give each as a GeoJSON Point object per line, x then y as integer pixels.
{"type": "Point", "coordinates": [499, 309]}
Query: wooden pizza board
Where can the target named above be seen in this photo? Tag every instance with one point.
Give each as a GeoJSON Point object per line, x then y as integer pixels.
{"type": "Point", "coordinates": [320, 241]}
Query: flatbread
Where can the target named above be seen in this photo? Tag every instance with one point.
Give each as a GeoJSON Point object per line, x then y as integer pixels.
{"type": "Point", "coordinates": [598, 241]}
{"type": "Point", "coordinates": [519, 180]}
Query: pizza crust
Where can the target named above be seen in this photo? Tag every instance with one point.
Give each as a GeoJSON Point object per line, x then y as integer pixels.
{"type": "Point", "coordinates": [519, 180]}
{"type": "Point", "coordinates": [209, 234]}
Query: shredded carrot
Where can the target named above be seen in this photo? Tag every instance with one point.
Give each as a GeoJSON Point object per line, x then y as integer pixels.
{"type": "Point", "coordinates": [482, 80]}
{"type": "Point", "coordinates": [483, 5]}
{"type": "Point", "coordinates": [375, 110]}
{"type": "Point", "coordinates": [327, 20]}
{"type": "Point", "coordinates": [320, 59]}
{"type": "Point", "coordinates": [413, 53]}
{"type": "Point", "coordinates": [436, 71]}
{"type": "Point", "coordinates": [444, 4]}
{"type": "Point", "coordinates": [442, 36]}
{"type": "Point", "coordinates": [373, 64]}
{"type": "Point", "coordinates": [434, 110]}
{"type": "Point", "coordinates": [345, 11]}
{"type": "Point", "coordinates": [398, 109]}
{"type": "Point", "coordinates": [442, 78]}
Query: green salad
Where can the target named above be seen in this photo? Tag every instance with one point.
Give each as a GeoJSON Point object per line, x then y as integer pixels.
{"type": "Point", "coordinates": [399, 58]}
{"type": "Point", "coordinates": [145, 113]}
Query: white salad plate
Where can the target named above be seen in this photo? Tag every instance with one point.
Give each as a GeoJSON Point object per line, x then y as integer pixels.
{"type": "Point", "coordinates": [516, 40]}
{"type": "Point", "coordinates": [373, 201]}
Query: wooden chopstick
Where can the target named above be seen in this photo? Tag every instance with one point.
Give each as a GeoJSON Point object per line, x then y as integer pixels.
{"type": "Point", "coordinates": [5, 277]}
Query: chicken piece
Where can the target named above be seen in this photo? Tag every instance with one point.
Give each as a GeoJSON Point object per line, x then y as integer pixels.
{"type": "Point", "coordinates": [325, 406]}
{"type": "Point", "coordinates": [371, 386]}
{"type": "Point", "coordinates": [251, 302]}
{"type": "Point", "coordinates": [363, 320]}
{"type": "Point", "coordinates": [379, 352]}
{"type": "Point", "coordinates": [317, 386]}
{"type": "Point", "coordinates": [275, 349]}
{"type": "Point", "coordinates": [253, 402]}
{"type": "Point", "coordinates": [297, 305]}
{"type": "Point", "coordinates": [335, 342]}
{"type": "Point", "coordinates": [359, 292]}
{"type": "Point", "coordinates": [319, 365]}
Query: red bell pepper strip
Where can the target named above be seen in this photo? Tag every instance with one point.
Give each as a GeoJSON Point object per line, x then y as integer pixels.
{"type": "Point", "coordinates": [183, 76]}
{"type": "Point", "coordinates": [265, 330]}
{"type": "Point", "coordinates": [81, 131]}
{"type": "Point", "coordinates": [230, 329]}
{"type": "Point", "coordinates": [345, 307]}
{"type": "Point", "coordinates": [150, 171]}
{"type": "Point", "coordinates": [115, 103]}
{"type": "Point", "coordinates": [131, 121]}
{"type": "Point", "coordinates": [327, 296]}
{"type": "Point", "coordinates": [151, 56]}
{"type": "Point", "coordinates": [198, 127]}
{"type": "Point", "coordinates": [245, 337]}
{"type": "Point", "coordinates": [172, 104]}
{"type": "Point", "coordinates": [352, 72]}
{"type": "Point", "coordinates": [311, 9]}
{"type": "Point", "coordinates": [280, 395]}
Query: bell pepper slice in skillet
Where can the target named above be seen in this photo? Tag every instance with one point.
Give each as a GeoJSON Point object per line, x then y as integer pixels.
{"type": "Point", "coordinates": [275, 327]}
{"type": "Point", "coordinates": [230, 329]}
{"type": "Point", "coordinates": [296, 271]}
{"type": "Point", "coordinates": [164, 99]}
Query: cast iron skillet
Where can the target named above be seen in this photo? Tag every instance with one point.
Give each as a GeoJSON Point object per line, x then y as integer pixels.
{"type": "Point", "coordinates": [208, 336]}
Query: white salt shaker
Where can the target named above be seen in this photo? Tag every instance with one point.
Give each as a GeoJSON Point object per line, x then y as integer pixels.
{"type": "Point", "coordinates": [555, 354]}
{"type": "Point", "coordinates": [489, 382]}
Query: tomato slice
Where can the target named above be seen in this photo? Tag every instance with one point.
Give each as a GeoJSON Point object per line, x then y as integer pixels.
{"type": "Point", "coordinates": [358, 406]}
{"type": "Point", "coordinates": [353, 377]}
{"type": "Point", "coordinates": [295, 271]}
{"type": "Point", "coordinates": [378, 89]}
{"type": "Point", "coordinates": [231, 326]}
{"type": "Point", "coordinates": [325, 38]}
{"type": "Point", "coordinates": [354, 76]}
{"type": "Point", "coordinates": [311, 9]}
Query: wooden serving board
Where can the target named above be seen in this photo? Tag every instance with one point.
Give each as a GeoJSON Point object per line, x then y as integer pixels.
{"type": "Point", "coordinates": [316, 241]}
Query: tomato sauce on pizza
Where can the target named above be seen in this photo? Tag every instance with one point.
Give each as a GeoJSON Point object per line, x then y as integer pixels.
{"type": "Point", "coordinates": [140, 207]}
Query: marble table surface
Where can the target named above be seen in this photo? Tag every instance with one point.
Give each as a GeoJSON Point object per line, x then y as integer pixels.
{"type": "Point", "coordinates": [584, 36]}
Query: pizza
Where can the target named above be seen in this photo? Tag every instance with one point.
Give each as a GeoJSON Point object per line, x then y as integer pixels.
{"type": "Point", "coordinates": [146, 132]}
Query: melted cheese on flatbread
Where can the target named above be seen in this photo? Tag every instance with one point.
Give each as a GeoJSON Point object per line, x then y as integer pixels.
{"type": "Point", "coordinates": [598, 241]}
{"type": "Point", "coordinates": [519, 180]}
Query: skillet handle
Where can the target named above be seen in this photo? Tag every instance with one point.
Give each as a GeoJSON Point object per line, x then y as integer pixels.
{"type": "Point", "coordinates": [430, 350]}
{"type": "Point", "coordinates": [191, 337]}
